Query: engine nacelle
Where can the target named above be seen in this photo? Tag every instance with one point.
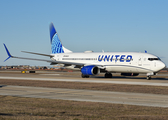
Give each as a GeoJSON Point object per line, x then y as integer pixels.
{"type": "Point", "coordinates": [130, 74]}
{"type": "Point", "coordinates": [90, 70]}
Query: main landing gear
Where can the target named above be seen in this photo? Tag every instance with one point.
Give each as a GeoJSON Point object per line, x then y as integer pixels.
{"type": "Point", "coordinates": [84, 76]}
{"type": "Point", "coordinates": [148, 77]}
{"type": "Point", "coordinates": [108, 75]}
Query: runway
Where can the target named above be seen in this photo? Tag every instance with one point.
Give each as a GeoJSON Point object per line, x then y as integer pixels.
{"type": "Point", "coordinates": [141, 99]}
{"type": "Point", "coordinates": [111, 81]}
{"type": "Point", "coordinates": [87, 95]}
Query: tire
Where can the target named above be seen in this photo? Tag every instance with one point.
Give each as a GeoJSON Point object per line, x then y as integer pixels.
{"type": "Point", "coordinates": [108, 75]}
{"type": "Point", "coordinates": [148, 77]}
{"type": "Point", "coordinates": [84, 76]}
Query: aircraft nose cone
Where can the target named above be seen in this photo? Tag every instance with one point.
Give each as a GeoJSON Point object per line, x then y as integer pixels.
{"type": "Point", "coordinates": [161, 65]}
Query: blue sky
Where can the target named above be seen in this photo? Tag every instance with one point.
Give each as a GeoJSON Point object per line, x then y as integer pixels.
{"type": "Point", "coordinates": [109, 25]}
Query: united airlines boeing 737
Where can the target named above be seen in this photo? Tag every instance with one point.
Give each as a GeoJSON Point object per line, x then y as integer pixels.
{"type": "Point", "coordinates": [93, 63]}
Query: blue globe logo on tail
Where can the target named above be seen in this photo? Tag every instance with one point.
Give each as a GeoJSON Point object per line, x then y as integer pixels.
{"type": "Point", "coordinates": [56, 45]}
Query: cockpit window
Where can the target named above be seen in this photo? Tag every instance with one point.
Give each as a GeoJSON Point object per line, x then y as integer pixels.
{"type": "Point", "coordinates": [151, 59]}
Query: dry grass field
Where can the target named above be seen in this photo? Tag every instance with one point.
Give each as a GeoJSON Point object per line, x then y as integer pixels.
{"type": "Point", "coordinates": [15, 108]}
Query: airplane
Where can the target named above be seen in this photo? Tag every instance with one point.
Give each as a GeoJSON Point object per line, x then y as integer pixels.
{"type": "Point", "coordinates": [93, 63]}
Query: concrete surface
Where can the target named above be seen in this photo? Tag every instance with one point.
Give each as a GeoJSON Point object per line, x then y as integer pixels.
{"type": "Point", "coordinates": [87, 95]}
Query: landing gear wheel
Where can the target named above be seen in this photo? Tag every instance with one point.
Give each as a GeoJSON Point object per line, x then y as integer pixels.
{"type": "Point", "coordinates": [84, 76]}
{"type": "Point", "coordinates": [108, 75]}
{"type": "Point", "coordinates": [148, 77]}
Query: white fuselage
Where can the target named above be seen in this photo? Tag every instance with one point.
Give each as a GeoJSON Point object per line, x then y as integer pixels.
{"type": "Point", "coordinates": [121, 62]}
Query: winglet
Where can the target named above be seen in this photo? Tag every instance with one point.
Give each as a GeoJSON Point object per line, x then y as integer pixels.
{"type": "Point", "coordinates": [145, 51]}
{"type": "Point", "coordinates": [9, 55]}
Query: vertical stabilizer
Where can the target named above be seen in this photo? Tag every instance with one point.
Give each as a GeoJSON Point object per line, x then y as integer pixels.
{"type": "Point", "coordinates": [56, 45]}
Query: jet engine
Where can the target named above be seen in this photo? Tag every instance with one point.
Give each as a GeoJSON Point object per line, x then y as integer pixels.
{"type": "Point", "coordinates": [90, 70]}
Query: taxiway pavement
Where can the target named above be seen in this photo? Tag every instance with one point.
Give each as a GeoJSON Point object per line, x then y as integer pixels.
{"type": "Point", "coordinates": [87, 95]}
{"type": "Point", "coordinates": [64, 77]}
{"type": "Point", "coordinates": [142, 99]}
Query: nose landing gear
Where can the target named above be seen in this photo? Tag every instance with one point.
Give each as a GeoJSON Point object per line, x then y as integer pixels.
{"type": "Point", "coordinates": [148, 77]}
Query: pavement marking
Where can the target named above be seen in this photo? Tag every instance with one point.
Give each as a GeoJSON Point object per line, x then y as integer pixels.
{"type": "Point", "coordinates": [88, 81]}
{"type": "Point", "coordinates": [140, 99]}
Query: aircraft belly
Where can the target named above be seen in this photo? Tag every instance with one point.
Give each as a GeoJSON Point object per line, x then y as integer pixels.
{"type": "Point", "coordinates": [143, 70]}
{"type": "Point", "coordinates": [128, 69]}
{"type": "Point", "coordinates": [72, 67]}
{"type": "Point", "coordinates": [121, 69]}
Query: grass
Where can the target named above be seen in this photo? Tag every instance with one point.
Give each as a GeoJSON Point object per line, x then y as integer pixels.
{"type": "Point", "coordinates": [34, 108]}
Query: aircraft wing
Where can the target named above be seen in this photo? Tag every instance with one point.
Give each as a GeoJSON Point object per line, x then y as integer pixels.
{"type": "Point", "coordinates": [58, 62]}
{"type": "Point", "coordinates": [38, 54]}
{"type": "Point", "coordinates": [50, 61]}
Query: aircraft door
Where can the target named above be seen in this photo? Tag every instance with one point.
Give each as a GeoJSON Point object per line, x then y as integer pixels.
{"type": "Point", "coordinates": [57, 57]}
{"type": "Point", "coordinates": [154, 64]}
{"type": "Point", "coordinates": [140, 60]}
